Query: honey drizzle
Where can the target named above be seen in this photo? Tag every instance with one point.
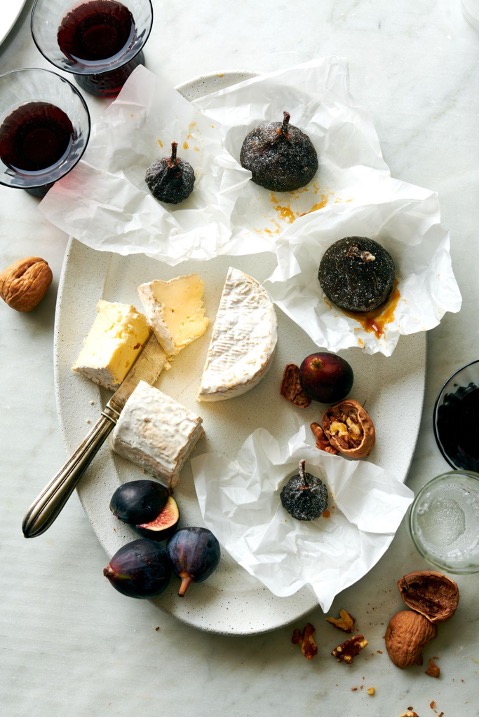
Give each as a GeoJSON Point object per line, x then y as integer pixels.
{"type": "Point", "coordinates": [376, 320]}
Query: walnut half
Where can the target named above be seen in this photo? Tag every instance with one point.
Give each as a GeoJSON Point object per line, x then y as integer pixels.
{"type": "Point", "coordinates": [24, 283]}
{"type": "Point", "coordinates": [349, 429]}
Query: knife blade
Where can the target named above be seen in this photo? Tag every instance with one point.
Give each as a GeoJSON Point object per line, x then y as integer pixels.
{"type": "Point", "coordinates": [50, 502]}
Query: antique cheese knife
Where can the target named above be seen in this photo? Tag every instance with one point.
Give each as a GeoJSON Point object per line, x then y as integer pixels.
{"type": "Point", "coordinates": [49, 503]}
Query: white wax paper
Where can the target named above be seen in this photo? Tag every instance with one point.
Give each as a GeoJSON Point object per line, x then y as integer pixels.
{"type": "Point", "coordinates": [406, 221]}
{"type": "Point", "coordinates": [240, 503]}
{"type": "Point", "coordinates": [105, 203]}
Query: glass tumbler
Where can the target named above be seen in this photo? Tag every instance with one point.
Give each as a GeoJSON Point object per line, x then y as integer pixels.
{"type": "Point", "coordinates": [443, 522]}
{"type": "Point", "coordinates": [455, 418]}
{"type": "Point", "coordinates": [99, 41]}
{"type": "Point", "coordinates": [44, 129]}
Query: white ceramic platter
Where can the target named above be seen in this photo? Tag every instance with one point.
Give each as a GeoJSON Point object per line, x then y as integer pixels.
{"type": "Point", "coordinates": [9, 13]}
{"type": "Point", "coordinates": [230, 601]}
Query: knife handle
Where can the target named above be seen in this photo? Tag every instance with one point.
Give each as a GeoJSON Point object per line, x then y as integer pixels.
{"type": "Point", "coordinates": [49, 503]}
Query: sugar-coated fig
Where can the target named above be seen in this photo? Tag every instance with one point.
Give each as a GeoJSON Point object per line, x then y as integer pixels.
{"type": "Point", "coordinates": [140, 569]}
{"type": "Point", "coordinates": [357, 274]}
{"type": "Point", "coordinates": [164, 525]}
{"type": "Point", "coordinates": [326, 377]}
{"type": "Point", "coordinates": [170, 179]}
{"type": "Point", "coordinates": [304, 496]}
{"type": "Point", "coordinates": [279, 155]}
{"type": "Point", "coordinates": [195, 553]}
{"type": "Point", "coordinates": [138, 502]}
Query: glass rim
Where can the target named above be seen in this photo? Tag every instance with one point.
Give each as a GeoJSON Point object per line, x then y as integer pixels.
{"type": "Point", "coordinates": [77, 68]}
{"type": "Point", "coordinates": [444, 566]}
{"type": "Point", "coordinates": [41, 181]}
{"type": "Point", "coordinates": [435, 412]}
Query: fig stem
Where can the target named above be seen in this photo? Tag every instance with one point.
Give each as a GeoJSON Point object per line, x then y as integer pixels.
{"type": "Point", "coordinates": [186, 581]}
{"type": "Point", "coordinates": [173, 159]}
{"type": "Point", "coordinates": [286, 120]}
{"type": "Point", "coordinates": [301, 473]}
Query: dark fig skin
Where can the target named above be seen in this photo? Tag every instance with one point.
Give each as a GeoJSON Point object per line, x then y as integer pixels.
{"type": "Point", "coordinates": [140, 569]}
{"type": "Point", "coordinates": [326, 377]}
{"type": "Point", "coordinates": [195, 553]}
{"type": "Point", "coordinates": [164, 525]}
{"type": "Point", "coordinates": [138, 502]}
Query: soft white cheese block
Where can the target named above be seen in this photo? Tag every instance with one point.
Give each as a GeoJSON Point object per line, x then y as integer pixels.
{"type": "Point", "coordinates": [175, 311]}
{"type": "Point", "coordinates": [156, 433]}
{"type": "Point", "coordinates": [243, 339]}
{"type": "Point", "coordinates": [115, 340]}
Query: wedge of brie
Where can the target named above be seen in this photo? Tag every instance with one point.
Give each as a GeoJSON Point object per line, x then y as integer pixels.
{"type": "Point", "coordinates": [115, 340]}
{"type": "Point", "coordinates": [156, 433]}
{"type": "Point", "coordinates": [175, 311]}
{"type": "Point", "coordinates": [243, 339]}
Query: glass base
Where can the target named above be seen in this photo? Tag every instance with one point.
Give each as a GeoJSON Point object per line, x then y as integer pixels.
{"type": "Point", "coordinates": [109, 84]}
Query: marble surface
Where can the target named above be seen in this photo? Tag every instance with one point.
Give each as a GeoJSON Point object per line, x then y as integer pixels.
{"type": "Point", "coordinates": [70, 645]}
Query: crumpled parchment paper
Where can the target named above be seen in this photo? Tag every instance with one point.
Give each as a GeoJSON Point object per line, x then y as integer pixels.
{"type": "Point", "coordinates": [240, 503]}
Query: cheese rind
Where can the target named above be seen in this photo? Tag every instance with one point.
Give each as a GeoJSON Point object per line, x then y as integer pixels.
{"type": "Point", "coordinates": [156, 433]}
{"type": "Point", "coordinates": [175, 311]}
{"type": "Point", "coordinates": [243, 339]}
{"type": "Point", "coordinates": [116, 338]}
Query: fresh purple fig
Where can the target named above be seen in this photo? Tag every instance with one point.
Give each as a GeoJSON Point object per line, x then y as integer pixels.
{"type": "Point", "coordinates": [140, 569]}
{"type": "Point", "coordinates": [325, 377]}
{"type": "Point", "coordinates": [195, 553]}
{"type": "Point", "coordinates": [164, 525]}
{"type": "Point", "coordinates": [139, 502]}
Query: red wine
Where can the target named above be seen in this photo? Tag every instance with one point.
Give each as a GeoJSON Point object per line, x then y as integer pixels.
{"type": "Point", "coordinates": [95, 31]}
{"type": "Point", "coordinates": [457, 427]}
{"type": "Point", "coordinates": [35, 137]}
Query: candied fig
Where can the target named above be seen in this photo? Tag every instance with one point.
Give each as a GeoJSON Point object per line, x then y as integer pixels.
{"type": "Point", "coordinates": [170, 179]}
{"type": "Point", "coordinates": [138, 502]}
{"type": "Point", "coordinates": [140, 569]}
{"type": "Point", "coordinates": [357, 274]}
{"type": "Point", "coordinates": [195, 553]}
{"type": "Point", "coordinates": [279, 155]}
{"type": "Point", "coordinates": [349, 429]}
{"type": "Point", "coordinates": [326, 377]}
{"type": "Point", "coordinates": [164, 525]}
{"type": "Point", "coordinates": [304, 496]}
{"type": "Point", "coordinates": [430, 593]}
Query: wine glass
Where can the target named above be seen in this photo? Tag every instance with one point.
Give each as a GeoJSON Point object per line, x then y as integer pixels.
{"type": "Point", "coordinates": [99, 41]}
{"type": "Point", "coordinates": [44, 129]}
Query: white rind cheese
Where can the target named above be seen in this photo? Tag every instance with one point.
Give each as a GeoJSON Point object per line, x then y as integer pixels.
{"type": "Point", "coordinates": [156, 433]}
{"type": "Point", "coordinates": [243, 339]}
{"type": "Point", "coordinates": [175, 311]}
{"type": "Point", "coordinates": [115, 340]}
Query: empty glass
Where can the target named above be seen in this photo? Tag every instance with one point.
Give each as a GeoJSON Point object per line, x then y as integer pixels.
{"type": "Point", "coordinates": [44, 129]}
{"type": "Point", "coordinates": [443, 522]}
{"type": "Point", "coordinates": [99, 41]}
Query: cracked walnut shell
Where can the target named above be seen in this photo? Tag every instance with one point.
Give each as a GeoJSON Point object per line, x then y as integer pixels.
{"type": "Point", "coordinates": [406, 636]}
{"type": "Point", "coordinates": [349, 429]}
{"type": "Point", "coordinates": [24, 283]}
{"type": "Point", "coordinates": [430, 593]}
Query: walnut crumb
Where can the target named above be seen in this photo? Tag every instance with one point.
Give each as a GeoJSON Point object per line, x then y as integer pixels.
{"type": "Point", "coordinates": [432, 669]}
{"type": "Point", "coordinates": [371, 691]}
{"type": "Point", "coordinates": [306, 641]}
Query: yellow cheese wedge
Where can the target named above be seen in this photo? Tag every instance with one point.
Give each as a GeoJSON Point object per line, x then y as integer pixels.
{"type": "Point", "coordinates": [115, 340]}
{"type": "Point", "coordinates": [175, 311]}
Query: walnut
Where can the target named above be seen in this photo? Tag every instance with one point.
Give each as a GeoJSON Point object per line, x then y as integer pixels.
{"type": "Point", "coordinates": [24, 283]}
{"type": "Point", "coordinates": [306, 641]}
{"type": "Point", "coordinates": [291, 388]}
{"type": "Point", "coordinates": [350, 648]}
{"type": "Point", "coordinates": [349, 429]}
{"type": "Point", "coordinates": [430, 593]}
{"type": "Point", "coordinates": [321, 440]}
{"type": "Point", "coordinates": [406, 636]}
{"type": "Point", "coordinates": [346, 622]}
